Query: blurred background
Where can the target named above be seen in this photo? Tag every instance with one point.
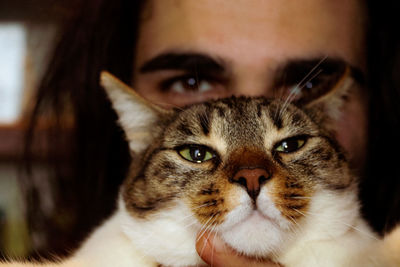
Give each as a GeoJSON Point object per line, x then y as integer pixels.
{"type": "Point", "coordinates": [28, 33]}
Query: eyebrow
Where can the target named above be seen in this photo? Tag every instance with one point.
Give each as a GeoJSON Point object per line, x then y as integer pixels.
{"type": "Point", "coordinates": [292, 70]}
{"type": "Point", "coordinates": [300, 70]}
{"type": "Point", "coordinates": [192, 62]}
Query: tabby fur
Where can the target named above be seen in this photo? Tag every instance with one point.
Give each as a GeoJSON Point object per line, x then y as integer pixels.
{"type": "Point", "coordinates": [301, 210]}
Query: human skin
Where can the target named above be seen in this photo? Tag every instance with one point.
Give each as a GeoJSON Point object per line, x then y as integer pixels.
{"type": "Point", "coordinates": [216, 253]}
{"type": "Point", "coordinates": [251, 41]}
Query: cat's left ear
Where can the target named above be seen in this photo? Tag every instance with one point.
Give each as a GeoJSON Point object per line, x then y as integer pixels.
{"type": "Point", "coordinates": [328, 105]}
{"type": "Point", "coordinates": [137, 116]}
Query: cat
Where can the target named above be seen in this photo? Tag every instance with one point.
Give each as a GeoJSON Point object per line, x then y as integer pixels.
{"type": "Point", "coordinates": [267, 176]}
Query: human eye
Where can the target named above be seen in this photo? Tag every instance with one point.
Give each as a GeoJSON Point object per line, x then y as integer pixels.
{"type": "Point", "coordinates": [307, 80]}
{"type": "Point", "coordinates": [191, 84]}
{"type": "Point", "coordinates": [177, 89]}
{"type": "Point", "coordinates": [315, 85]}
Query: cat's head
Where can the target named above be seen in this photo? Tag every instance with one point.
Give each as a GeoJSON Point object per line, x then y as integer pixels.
{"type": "Point", "coordinates": [246, 168]}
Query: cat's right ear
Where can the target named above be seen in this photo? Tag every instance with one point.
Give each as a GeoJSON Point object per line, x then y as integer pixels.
{"type": "Point", "coordinates": [137, 116]}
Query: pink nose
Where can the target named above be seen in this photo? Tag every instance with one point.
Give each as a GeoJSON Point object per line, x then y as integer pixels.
{"type": "Point", "coordinates": [252, 179]}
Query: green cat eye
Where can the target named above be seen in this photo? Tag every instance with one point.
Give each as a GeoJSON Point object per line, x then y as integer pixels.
{"type": "Point", "coordinates": [290, 145]}
{"type": "Point", "coordinates": [197, 154]}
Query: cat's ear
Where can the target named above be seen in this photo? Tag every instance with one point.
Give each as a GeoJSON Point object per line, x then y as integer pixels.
{"type": "Point", "coordinates": [137, 116]}
{"type": "Point", "coordinates": [328, 105]}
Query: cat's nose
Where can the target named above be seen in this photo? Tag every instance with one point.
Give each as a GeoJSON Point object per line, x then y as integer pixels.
{"type": "Point", "coordinates": [252, 179]}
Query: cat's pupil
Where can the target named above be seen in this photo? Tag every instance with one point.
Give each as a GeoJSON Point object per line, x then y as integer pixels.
{"type": "Point", "coordinates": [290, 145]}
{"type": "Point", "coordinates": [197, 153]}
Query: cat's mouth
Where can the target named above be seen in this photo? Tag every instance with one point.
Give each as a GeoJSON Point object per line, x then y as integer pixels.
{"type": "Point", "coordinates": [258, 215]}
{"type": "Point", "coordinates": [255, 227]}
{"type": "Point", "coordinates": [256, 234]}
{"type": "Point", "coordinates": [258, 219]}
{"type": "Point", "coordinates": [255, 214]}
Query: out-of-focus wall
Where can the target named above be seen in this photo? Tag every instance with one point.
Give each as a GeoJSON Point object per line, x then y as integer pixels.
{"type": "Point", "coordinates": [28, 30]}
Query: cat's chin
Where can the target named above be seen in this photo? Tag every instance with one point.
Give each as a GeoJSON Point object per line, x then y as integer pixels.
{"type": "Point", "coordinates": [257, 235]}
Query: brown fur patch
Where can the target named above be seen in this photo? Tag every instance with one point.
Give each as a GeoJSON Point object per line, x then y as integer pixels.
{"type": "Point", "coordinates": [247, 157]}
{"type": "Point", "coordinates": [212, 201]}
{"type": "Point", "coordinates": [292, 201]}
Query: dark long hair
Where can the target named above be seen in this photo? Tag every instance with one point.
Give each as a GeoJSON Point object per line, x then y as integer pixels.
{"type": "Point", "coordinates": [85, 184]}
{"type": "Point", "coordinates": [84, 155]}
{"type": "Point", "coordinates": [380, 188]}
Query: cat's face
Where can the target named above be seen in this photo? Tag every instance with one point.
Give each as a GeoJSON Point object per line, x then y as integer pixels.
{"type": "Point", "coordinates": [246, 168]}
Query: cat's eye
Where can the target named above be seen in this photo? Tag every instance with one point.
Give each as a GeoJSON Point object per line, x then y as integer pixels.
{"type": "Point", "coordinates": [290, 145]}
{"type": "Point", "coordinates": [197, 154]}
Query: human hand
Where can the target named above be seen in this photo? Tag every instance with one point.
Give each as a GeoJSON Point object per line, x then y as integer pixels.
{"type": "Point", "coordinates": [217, 254]}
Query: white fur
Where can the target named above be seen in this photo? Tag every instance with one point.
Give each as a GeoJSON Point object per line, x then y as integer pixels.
{"type": "Point", "coordinates": [168, 238]}
{"type": "Point", "coordinates": [331, 234]}
{"type": "Point", "coordinates": [135, 120]}
{"type": "Point", "coordinates": [136, 115]}
{"type": "Point", "coordinates": [109, 246]}
{"type": "Point", "coordinates": [254, 232]}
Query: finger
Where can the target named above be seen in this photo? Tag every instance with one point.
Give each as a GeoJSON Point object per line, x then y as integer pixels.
{"type": "Point", "coordinates": [217, 254]}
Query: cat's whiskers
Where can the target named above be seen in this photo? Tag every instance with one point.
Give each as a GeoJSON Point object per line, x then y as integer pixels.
{"type": "Point", "coordinates": [204, 244]}
{"type": "Point", "coordinates": [192, 219]}
{"type": "Point", "coordinates": [307, 213]}
{"type": "Point", "coordinates": [295, 228]}
{"type": "Point", "coordinates": [212, 250]}
{"type": "Point", "coordinates": [207, 237]}
{"type": "Point", "coordinates": [294, 224]}
{"type": "Point", "coordinates": [298, 197]}
{"type": "Point", "coordinates": [358, 230]}
{"type": "Point", "coordinates": [310, 79]}
{"type": "Point", "coordinates": [299, 86]}
{"type": "Point", "coordinates": [202, 206]}
{"type": "Point", "coordinates": [275, 252]}
{"type": "Point", "coordinates": [203, 231]}
{"type": "Point", "coordinates": [296, 91]}
{"type": "Point", "coordinates": [191, 223]}
{"type": "Point", "coordinates": [312, 70]}
{"type": "Point", "coordinates": [191, 215]}
{"type": "Point", "coordinates": [205, 227]}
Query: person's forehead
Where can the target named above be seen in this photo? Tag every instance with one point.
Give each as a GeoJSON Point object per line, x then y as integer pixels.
{"type": "Point", "coordinates": [273, 28]}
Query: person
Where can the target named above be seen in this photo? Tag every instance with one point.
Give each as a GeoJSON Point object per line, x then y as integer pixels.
{"type": "Point", "coordinates": [178, 52]}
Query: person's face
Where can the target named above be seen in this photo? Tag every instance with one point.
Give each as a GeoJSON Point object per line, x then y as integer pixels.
{"type": "Point", "coordinates": [192, 50]}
